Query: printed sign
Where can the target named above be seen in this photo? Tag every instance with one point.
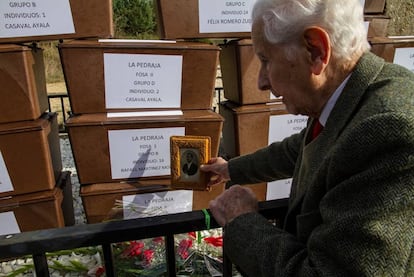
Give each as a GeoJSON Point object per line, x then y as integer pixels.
{"type": "Point", "coordinates": [5, 182]}
{"type": "Point", "coordinates": [218, 16]}
{"type": "Point", "coordinates": [141, 152]}
{"type": "Point", "coordinates": [154, 204]}
{"type": "Point", "coordinates": [35, 18]}
{"type": "Point", "coordinates": [142, 81]}
{"type": "Point", "coordinates": [405, 57]}
{"type": "Point", "coordinates": [280, 127]}
{"type": "Point", "coordinates": [8, 224]}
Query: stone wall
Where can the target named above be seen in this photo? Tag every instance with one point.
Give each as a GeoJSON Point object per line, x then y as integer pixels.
{"type": "Point", "coordinates": [401, 13]}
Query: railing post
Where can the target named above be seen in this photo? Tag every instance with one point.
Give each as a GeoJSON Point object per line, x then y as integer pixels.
{"type": "Point", "coordinates": [170, 255]}
{"type": "Point", "coordinates": [40, 264]}
{"type": "Point", "coordinates": [108, 258]}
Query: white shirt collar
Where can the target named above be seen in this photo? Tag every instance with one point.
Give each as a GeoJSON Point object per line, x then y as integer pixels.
{"type": "Point", "coordinates": [332, 101]}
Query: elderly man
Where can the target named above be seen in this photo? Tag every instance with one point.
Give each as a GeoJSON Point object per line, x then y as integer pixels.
{"type": "Point", "coordinates": [351, 208]}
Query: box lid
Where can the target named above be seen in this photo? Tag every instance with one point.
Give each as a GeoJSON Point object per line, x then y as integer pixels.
{"type": "Point", "coordinates": [103, 119]}
{"type": "Point", "coordinates": [392, 40]}
{"type": "Point", "coordinates": [12, 202]}
{"type": "Point", "coordinates": [30, 125]}
{"type": "Point", "coordinates": [138, 44]}
{"type": "Point", "coordinates": [6, 48]}
{"type": "Point", "coordinates": [272, 107]}
{"type": "Point", "coordinates": [138, 187]}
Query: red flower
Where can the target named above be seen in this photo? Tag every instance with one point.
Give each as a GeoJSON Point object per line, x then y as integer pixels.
{"type": "Point", "coordinates": [100, 271]}
{"type": "Point", "coordinates": [134, 249]}
{"type": "Point", "coordinates": [158, 240]}
{"type": "Point", "coordinates": [183, 247]}
{"type": "Point", "coordinates": [148, 255]}
{"type": "Point", "coordinates": [215, 241]}
{"type": "Point", "coordinates": [192, 234]}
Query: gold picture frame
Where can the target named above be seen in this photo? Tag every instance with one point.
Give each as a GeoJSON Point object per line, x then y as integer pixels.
{"type": "Point", "coordinates": [187, 154]}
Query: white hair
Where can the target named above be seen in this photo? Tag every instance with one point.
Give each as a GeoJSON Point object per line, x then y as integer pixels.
{"type": "Point", "coordinates": [286, 20]}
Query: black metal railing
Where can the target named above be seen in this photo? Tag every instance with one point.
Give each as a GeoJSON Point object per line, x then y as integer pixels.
{"type": "Point", "coordinates": [38, 243]}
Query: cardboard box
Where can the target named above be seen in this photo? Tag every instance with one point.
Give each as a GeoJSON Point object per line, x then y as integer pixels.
{"type": "Point", "coordinates": [386, 47]}
{"type": "Point", "coordinates": [248, 128]}
{"type": "Point", "coordinates": [40, 210]}
{"type": "Point", "coordinates": [180, 19]}
{"type": "Point", "coordinates": [23, 93]}
{"type": "Point", "coordinates": [103, 202]}
{"type": "Point", "coordinates": [91, 19]}
{"type": "Point", "coordinates": [374, 6]}
{"type": "Point", "coordinates": [30, 151]}
{"type": "Point", "coordinates": [89, 135]}
{"type": "Point", "coordinates": [378, 25]}
{"type": "Point", "coordinates": [240, 70]}
{"type": "Point", "coordinates": [137, 75]}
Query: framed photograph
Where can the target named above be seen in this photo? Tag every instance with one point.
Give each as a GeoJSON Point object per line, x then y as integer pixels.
{"type": "Point", "coordinates": [187, 154]}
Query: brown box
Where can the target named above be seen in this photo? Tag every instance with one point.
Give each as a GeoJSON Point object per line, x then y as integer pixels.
{"type": "Point", "coordinates": [246, 129]}
{"type": "Point", "coordinates": [180, 19]}
{"type": "Point", "coordinates": [88, 135]}
{"type": "Point", "coordinates": [31, 153]}
{"type": "Point", "coordinates": [23, 93]}
{"type": "Point", "coordinates": [41, 210]}
{"type": "Point", "coordinates": [91, 19]}
{"type": "Point", "coordinates": [100, 200]}
{"type": "Point", "coordinates": [374, 6]}
{"type": "Point", "coordinates": [240, 70]}
{"type": "Point", "coordinates": [87, 90]}
{"type": "Point", "coordinates": [378, 25]}
{"type": "Point", "coordinates": [385, 46]}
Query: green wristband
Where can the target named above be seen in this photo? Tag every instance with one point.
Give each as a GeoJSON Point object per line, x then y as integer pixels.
{"type": "Point", "coordinates": [207, 218]}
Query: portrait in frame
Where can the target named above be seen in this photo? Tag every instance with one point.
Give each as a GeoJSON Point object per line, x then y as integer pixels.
{"type": "Point", "coordinates": [187, 154]}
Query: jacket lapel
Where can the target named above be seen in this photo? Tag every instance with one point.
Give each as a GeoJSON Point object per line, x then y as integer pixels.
{"type": "Point", "coordinates": [312, 154]}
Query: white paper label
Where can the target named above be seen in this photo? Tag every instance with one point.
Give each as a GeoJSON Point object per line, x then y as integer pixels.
{"type": "Point", "coordinates": [145, 114]}
{"type": "Point", "coordinates": [405, 57]}
{"type": "Point", "coordinates": [138, 153]}
{"type": "Point", "coordinates": [142, 81]}
{"type": "Point", "coordinates": [35, 18]}
{"type": "Point", "coordinates": [5, 181]}
{"type": "Point", "coordinates": [278, 189]}
{"type": "Point", "coordinates": [8, 224]}
{"type": "Point", "coordinates": [280, 127]}
{"type": "Point", "coordinates": [218, 16]}
{"type": "Point", "coordinates": [160, 203]}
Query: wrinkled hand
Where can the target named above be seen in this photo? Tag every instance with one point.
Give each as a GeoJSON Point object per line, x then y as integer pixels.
{"type": "Point", "coordinates": [235, 201]}
{"type": "Point", "coordinates": [218, 169]}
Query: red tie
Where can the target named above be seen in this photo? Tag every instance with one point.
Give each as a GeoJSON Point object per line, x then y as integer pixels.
{"type": "Point", "coordinates": [317, 128]}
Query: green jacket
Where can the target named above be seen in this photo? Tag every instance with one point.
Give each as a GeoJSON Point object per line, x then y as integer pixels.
{"type": "Point", "coordinates": [351, 208]}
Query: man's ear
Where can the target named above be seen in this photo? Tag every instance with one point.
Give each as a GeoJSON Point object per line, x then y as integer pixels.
{"type": "Point", "coordinates": [319, 47]}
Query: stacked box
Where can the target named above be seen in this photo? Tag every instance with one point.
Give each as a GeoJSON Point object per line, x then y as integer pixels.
{"type": "Point", "coordinates": [30, 155]}
{"type": "Point", "coordinates": [186, 19]}
{"type": "Point", "coordinates": [374, 7]}
{"type": "Point", "coordinates": [398, 50]}
{"type": "Point", "coordinates": [133, 149]}
{"type": "Point", "coordinates": [144, 137]}
{"type": "Point", "coordinates": [144, 75]}
{"type": "Point", "coordinates": [23, 91]}
{"type": "Point", "coordinates": [248, 128]}
{"type": "Point", "coordinates": [103, 202]}
{"type": "Point", "coordinates": [39, 210]}
{"type": "Point", "coordinates": [239, 68]}
{"type": "Point", "coordinates": [55, 20]}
